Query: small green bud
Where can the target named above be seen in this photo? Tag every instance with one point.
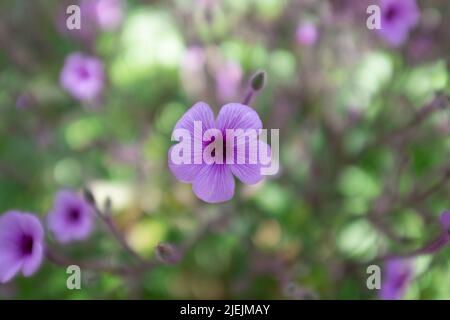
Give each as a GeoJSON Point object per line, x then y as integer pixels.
{"type": "Point", "coordinates": [258, 81]}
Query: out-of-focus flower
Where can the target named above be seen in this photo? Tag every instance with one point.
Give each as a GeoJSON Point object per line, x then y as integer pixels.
{"type": "Point", "coordinates": [397, 276]}
{"type": "Point", "coordinates": [87, 30]}
{"type": "Point", "coordinates": [24, 101]}
{"type": "Point", "coordinates": [21, 244]}
{"type": "Point", "coordinates": [168, 253]}
{"type": "Point", "coordinates": [421, 47]}
{"type": "Point", "coordinates": [206, 3]}
{"type": "Point", "coordinates": [71, 217]}
{"type": "Point", "coordinates": [109, 14]}
{"type": "Point", "coordinates": [306, 34]}
{"type": "Point", "coordinates": [214, 182]}
{"type": "Point", "coordinates": [193, 59]}
{"type": "Point", "coordinates": [83, 77]}
{"type": "Point", "coordinates": [96, 15]}
{"type": "Point", "coordinates": [128, 154]}
{"type": "Point", "coordinates": [398, 17]}
{"type": "Point", "coordinates": [192, 67]}
{"type": "Point", "coordinates": [228, 80]}
{"type": "Point", "coordinates": [445, 222]}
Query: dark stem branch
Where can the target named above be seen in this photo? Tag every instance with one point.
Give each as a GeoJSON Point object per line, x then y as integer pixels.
{"type": "Point", "coordinates": [440, 101]}
{"type": "Point", "coordinates": [106, 218]}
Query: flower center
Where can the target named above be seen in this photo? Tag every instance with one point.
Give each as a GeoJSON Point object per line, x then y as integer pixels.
{"type": "Point", "coordinates": [83, 73]}
{"type": "Point", "coordinates": [26, 244]}
{"type": "Point", "coordinates": [224, 147]}
{"type": "Point", "coordinates": [392, 13]}
{"type": "Point", "coordinates": [74, 215]}
{"type": "Point", "coordinates": [401, 280]}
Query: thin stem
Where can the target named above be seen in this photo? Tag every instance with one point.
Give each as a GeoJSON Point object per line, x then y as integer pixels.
{"type": "Point", "coordinates": [440, 101]}
{"type": "Point", "coordinates": [248, 97]}
{"type": "Point", "coordinates": [59, 259]}
{"type": "Point", "coordinates": [442, 182]}
{"type": "Point", "coordinates": [430, 248]}
{"type": "Point", "coordinates": [144, 265]}
{"type": "Point", "coordinates": [106, 218]}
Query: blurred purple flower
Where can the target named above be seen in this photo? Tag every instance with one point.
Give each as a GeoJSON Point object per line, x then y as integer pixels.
{"type": "Point", "coordinates": [398, 17]}
{"type": "Point", "coordinates": [228, 80]}
{"type": "Point", "coordinates": [24, 101]}
{"type": "Point", "coordinates": [128, 154]}
{"type": "Point", "coordinates": [87, 31]}
{"type": "Point", "coordinates": [445, 223]}
{"type": "Point", "coordinates": [83, 77]}
{"type": "Point", "coordinates": [192, 67]}
{"type": "Point", "coordinates": [21, 244]}
{"type": "Point", "coordinates": [397, 276]}
{"type": "Point", "coordinates": [421, 47]}
{"type": "Point", "coordinates": [215, 182]}
{"type": "Point", "coordinates": [96, 15]}
{"type": "Point", "coordinates": [109, 14]}
{"type": "Point", "coordinates": [193, 59]}
{"type": "Point", "coordinates": [71, 218]}
{"type": "Point", "coordinates": [306, 34]}
{"type": "Point", "coordinates": [206, 3]}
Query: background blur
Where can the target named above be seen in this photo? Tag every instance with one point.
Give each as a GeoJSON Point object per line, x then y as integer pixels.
{"type": "Point", "coordinates": [357, 180]}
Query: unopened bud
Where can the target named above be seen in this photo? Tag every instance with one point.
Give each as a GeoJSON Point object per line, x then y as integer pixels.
{"type": "Point", "coordinates": [258, 81]}
{"type": "Point", "coordinates": [108, 204]}
{"type": "Point", "coordinates": [89, 196]}
{"type": "Point", "coordinates": [168, 253]}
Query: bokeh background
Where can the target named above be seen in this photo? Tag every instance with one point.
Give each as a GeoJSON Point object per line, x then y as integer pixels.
{"type": "Point", "coordinates": [363, 172]}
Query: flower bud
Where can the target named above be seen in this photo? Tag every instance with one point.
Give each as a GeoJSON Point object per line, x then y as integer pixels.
{"type": "Point", "coordinates": [258, 81]}
{"type": "Point", "coordinates": [89, 196]}
{"type": "Point", "coordinates": [168, 253]}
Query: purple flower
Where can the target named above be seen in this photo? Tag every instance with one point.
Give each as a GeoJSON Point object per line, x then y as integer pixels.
{"type": "Point", "coordinates": [109, 14]}
{"type": "Point", "coordinates": [71, 218]}
{"type": "Point", "coordinates": [24, 101]}
{"type": "Point", "coordinates": [228, 80]}
{"type": "Point", "coordinates": [421, 47]}
{"type": "Point", "coordinates": [83, 77]}
{"type": "Point", "coordinates": [192, 66]}
{"type": "Point", "coordinates": [21, 244]}
{"type": "Point", "coordinates": [96, 15]}
{"type": "Point", "coordinates": [445, 223]}
{"type": "Point", "coordinates": [214, 182]}
{"type": "Point", "coordinates": [398, 17]}
{"type": "Point", "coordinates": [87, 31]}
{"type": "Point", "coordinates": [397, 276]}
{"type": "Point", "coordinates": [194, 59]}
{"type": "Point", "coordinates": [306, 34]}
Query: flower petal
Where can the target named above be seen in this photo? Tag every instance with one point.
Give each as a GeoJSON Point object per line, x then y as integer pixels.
{"type": "Point", "coordinates": [398, 275]}
{"type": "Point", "coordinates": [247, 172]}
{"type": "Point", "coordinates": [10, 228]}
{"type": "Point", "coordinates": [32, 263]}
{"type": "Point", "coordinates": [198, 112]}
{"type": "Point", "coordinates": [184, 172]}
{"type": "Point", "coordinates": [238, 116]}
{"type": "Point", "coordinates": [30, 224]}
{"type": "Point", "coordinates": [9, 267]}
{"type": "Point", "coordinates": [214, 183]}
